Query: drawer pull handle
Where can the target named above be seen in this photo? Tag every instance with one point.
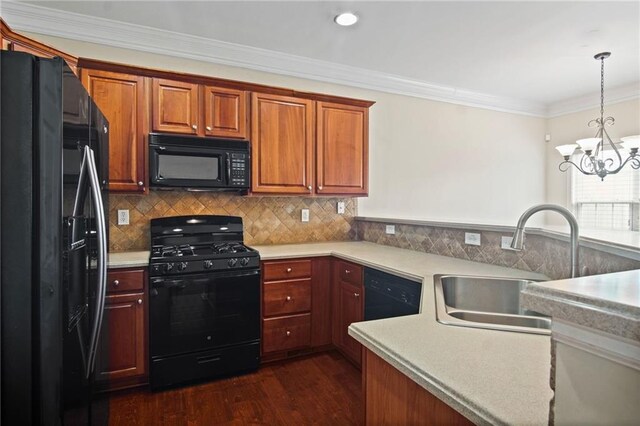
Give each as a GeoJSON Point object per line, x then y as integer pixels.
{"type": "Point", "coordinates": [116, 283]}
{"type": "Point", "coordinates": [346, 271]}
{"type": "Point", "coordinates": [289, 269]}
{"type": "Point", "coordinates": [194, 127]}
{"type": "Point", "coordinates": [209, 128]}
{"type": "Point", "coordinates": [288, 298]}
{"type": "Point", "coordinates": [356, 294]}
{"type": "Point", "coordinates": [288, 333]}
{"type": "Point", "coordinates": [139, 301]}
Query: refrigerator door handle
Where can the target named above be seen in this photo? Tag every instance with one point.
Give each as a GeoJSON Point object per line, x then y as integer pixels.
{"type": "Point", "coordinates": [88, 169]}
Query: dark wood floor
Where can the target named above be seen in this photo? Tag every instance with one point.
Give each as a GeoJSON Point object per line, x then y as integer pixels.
{"type": "Point", "coordinates": [322, 389]}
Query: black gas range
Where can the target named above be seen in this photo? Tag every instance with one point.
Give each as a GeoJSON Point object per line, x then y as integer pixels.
{"type": "Point", "coordinates": [204, 314]}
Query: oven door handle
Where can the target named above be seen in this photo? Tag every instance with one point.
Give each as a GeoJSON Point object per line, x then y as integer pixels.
{"type": "Point", "coordinates": [183, 282]}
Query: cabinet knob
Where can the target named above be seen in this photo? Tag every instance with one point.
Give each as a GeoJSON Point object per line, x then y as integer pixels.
{"type": "Point", "coordinates": [209, 128]}
{"type": "Point", "coordinates": [194, 127]}
{"type": "Point", "coordinates": [310, 188]}
{"type": "Point", "coordinates": [289, 269]}
{"type": "Point", "coordinates": [139, 301]}
{"type": "Point", "coordinates": [346, 271]}
{"type": "Point", "coordinates": [356, 294]}
{"type": "Point", "coordinates": [288, 333]}
{"type": "Point", "coordinates": [288, 298]}
{"type": "Point", "coordinates": [116, 283]}
{"type": "Point", "coordinates": [140, 183]}
{"type": "Point", "coordinates": [320, 188]}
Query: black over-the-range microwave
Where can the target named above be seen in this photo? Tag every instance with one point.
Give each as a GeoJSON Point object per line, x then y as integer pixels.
{"type": "Point", "coordinates": [198, 163]}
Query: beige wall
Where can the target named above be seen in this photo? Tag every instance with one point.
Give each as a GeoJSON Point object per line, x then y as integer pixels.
{"type": "Point", "coordinates": [428, 160]}
{"type": "Point", "coordinates": [571, 127]}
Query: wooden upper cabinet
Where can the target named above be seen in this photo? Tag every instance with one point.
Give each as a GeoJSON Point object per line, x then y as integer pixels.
{"type": "Point", "coordinates": [282, 142]}
{"type": "Point", "coordinates": [225, 112]}
{"type": "Point", "coordinates": [122, 99]}
{"type": "Point", "coordinates": [342, 149]}
{"type": "Point", "coordinates": [175, 107]}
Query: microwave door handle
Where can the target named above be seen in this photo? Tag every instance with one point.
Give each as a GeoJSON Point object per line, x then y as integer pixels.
{"type": "Point", "coordinates": [228, 169]}
{"type": "Point", "coordinates": [89, 169]}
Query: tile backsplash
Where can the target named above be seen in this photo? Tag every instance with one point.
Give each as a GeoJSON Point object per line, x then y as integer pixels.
{"type": "Point", "coordinates": [543, 254]}
{"type": "Point", "coordinates": [267, 220]}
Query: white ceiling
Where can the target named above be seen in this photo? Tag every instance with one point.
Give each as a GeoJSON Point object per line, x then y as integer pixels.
{"type": "Point", "coordinates": [539, 52]}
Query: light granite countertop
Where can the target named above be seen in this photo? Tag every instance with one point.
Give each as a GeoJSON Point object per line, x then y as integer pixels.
{"type": "Point", "coordinates": [491, 377]}
{"type": "Point", "coordinates": [609, 303]}
{"type": "Point", "coordinates": [128, 259]}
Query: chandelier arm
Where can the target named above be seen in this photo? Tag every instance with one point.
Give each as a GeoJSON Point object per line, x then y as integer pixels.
{"type": "Point", "coordinates": [615, 149]}
{"type": "Point", "coordinates": [588, 164]}
{"type": "Point", "coordinates": [565, 165]}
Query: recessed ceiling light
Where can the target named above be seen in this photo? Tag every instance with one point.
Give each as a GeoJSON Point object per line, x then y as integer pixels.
{"type": "Point", "coordinates": [346, 19]}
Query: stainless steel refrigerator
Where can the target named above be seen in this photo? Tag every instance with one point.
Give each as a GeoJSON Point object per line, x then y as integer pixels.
{"type": "Point", "coordinates": [53, 231]}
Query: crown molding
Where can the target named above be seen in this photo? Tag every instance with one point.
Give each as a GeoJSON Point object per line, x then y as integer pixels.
{"type": "Point", "coordinates": [592, 100]}
{"type": "Point", "coordinates": [74, 26]}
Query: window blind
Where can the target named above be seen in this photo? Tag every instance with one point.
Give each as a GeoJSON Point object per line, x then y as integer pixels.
{"type": "Point", "coordinates": [609, 204]}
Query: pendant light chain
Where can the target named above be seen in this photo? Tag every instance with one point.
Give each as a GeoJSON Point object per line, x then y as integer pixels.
{"type": "Point", "coordinates": [602, 90]}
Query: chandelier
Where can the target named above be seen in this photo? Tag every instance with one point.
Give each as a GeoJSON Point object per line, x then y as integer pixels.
{"type": "Point", "coordinates": [595, 160]}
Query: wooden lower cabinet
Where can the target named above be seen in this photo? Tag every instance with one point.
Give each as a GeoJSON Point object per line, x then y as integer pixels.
{"type": "Point", "coordinates": [348, 297]}
{"type": "Point", "coordinates": [123, 351]}
{"type": "Point", "coordinates": [391, 398]}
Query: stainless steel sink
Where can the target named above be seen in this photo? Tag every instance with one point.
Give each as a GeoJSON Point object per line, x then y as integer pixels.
{"type": "Point", "coordinates": [486, 302]}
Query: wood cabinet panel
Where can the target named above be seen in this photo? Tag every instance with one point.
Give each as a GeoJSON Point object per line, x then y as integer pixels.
{"type": "Point", "coordinates": [225, 112]}
{"type": "Point", "coordinates": [321, 302]}
{"type": "Point", "coordinates": [123, 348]}
{"type": "Point", "coordinates": [175, 107]}
{"type": "Point", "coordinates": [349, 272]}
{"type": "Point", "coordinates": [125, 280]}
{"type": "Point", "coordinates": [342, 149]}
{"type": "Point", "coordinates": [286, 297]}
{"type": "Point", "coordinates": [391, 398]}
{"type": "Point", "coordinates": [121, 98]}
{"type": "Point", "coordinates": [286, 333]}
{"type": "Point", "coordinates": [286, 269]}
{"type": "Point", "coordinates": [350, 305]}
{"type": "Point", "coordinates": [282, 139]}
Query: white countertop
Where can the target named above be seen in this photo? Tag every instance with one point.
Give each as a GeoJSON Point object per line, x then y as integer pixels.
{"type": "Point", "coordinates": [491, 377]}
{"type": "Point", "coordinates": [610, 302]}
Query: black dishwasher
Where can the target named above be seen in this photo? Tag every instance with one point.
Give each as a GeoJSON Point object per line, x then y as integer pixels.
{"type": "Point", "coordinates": [388, 295]}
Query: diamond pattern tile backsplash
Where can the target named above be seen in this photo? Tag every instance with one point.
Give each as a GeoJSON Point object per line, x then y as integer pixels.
{"type": "Point", "coordinates": [542, 254]}
{"type": "Point", "coordinates": [267, 220]}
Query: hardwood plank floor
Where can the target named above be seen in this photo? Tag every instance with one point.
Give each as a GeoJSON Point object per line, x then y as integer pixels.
{"type": "Point", "coordinates": [321, 389]}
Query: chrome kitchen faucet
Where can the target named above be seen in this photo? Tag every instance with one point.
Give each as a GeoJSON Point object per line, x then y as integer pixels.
{"type": "Point", "coordinates": [518, 235]}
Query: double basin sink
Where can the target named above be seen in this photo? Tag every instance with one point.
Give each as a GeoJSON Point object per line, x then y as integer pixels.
{"type": "Point", "coordinates": [486, 302]}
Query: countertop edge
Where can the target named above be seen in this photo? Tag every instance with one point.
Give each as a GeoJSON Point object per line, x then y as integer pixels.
{"type": "Point", "coordinates": [447, 395]}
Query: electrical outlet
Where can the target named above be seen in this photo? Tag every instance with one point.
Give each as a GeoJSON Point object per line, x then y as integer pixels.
{"type": "Point", "coordinates": [305, 215]}
{"type": "Point", "coordinates": [390, 229]}
{"type": "Point", "coordinates": [506, 243]}
{"type": "Point", "coordinates": [472, 238]}
{"type": "Point", "coordinates": [123, 217]}
{"type": "Point", "coordinates": [340, 207]}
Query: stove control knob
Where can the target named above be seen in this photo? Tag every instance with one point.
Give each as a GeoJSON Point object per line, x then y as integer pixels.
{"type": "Point", "coordinates": [232, 262]}
{"type": "Point", "coordinates": [244, 261]}
{"type": "Point", "coordinates": [182, 266]}
{"type": "Point", "coordinates": [168, 267]}
{"type": "Point", "coordinates": [208, 264]}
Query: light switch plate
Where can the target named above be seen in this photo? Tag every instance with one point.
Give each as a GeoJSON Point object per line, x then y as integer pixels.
{"type": "Point", "coordinates": [340, 207]}
{"type": "Point", "coordinates": [305, 215]}
{"type": "Point", "coordinates": [472, 238]}
{"type": "Point", "coordinates": [123, 217]}
{"type": "Point", "coordinates": [390, 229]}
{"type": "Point", "coordinates": [506, 243]}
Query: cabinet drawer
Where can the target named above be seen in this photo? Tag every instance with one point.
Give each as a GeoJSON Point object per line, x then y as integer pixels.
{"type": "Point", "coordinates": [286, 269]}
{"type": "Point", "coordinates": [349, 272]}
{"type": "Point", "coordinates": [284, 333]}
{"type": "Point", "coordinates": [286, 297]}
{"type": "Point", "coordinates": [125, 280]}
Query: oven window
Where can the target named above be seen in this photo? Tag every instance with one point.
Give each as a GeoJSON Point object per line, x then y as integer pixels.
{"type": "Point", "coordinates": [189, 167]}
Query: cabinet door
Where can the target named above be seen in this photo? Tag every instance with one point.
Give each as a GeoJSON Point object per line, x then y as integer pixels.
{"type": "Point", "coordinates": [175, 107]}
{"type": "Point", "coordinates": [123, 351]}
{"type": "Point", "coordinates": [225, 112]}
{"type": "Point", "coordinates": [121, 98]}
{"type": "Point", "coordinates": [342, 149]}
{"type": "Point", "coordinates": [282, 140]}
{"type": "Point", "coordinates": [321, 303]}
{"type": "Point", "coordinates": [350, 306]}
